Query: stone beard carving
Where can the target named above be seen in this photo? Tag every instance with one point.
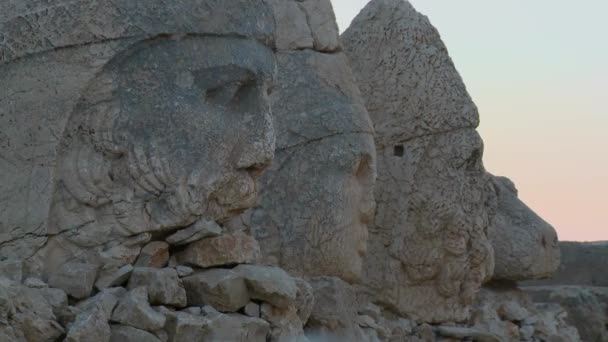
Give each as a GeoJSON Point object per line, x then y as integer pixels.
{"type": "Point", "coordinates": [429, 252]}
{"type": "Point", "coordinates": [173, 130]}
{"type": "Point", "coordinates": [317, 198]}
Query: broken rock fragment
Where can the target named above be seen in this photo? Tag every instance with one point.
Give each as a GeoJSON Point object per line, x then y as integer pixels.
{"type": "Point", "coordinates": [75, 278]}
{"type": "Point", "coordinates": [163, 285]}
{"type": "Point", "coordinates": [134, 310]}
{"type": "Point", "coordinates": [269, 284]}
{"type": "Point", "coordinates": [229, 249]}
{"type": "Point", "coordinates": [224, 289]}
{"type": "Point", "coordinates": [154, 254]}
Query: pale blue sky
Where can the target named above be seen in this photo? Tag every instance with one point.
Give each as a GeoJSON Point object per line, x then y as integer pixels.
{"type": "Point", "coordinates": [538, 71]}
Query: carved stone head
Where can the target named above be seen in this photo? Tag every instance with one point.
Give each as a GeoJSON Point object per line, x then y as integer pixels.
{"type": "Point", "coordinates": [160, 117]}
{"type": "Point", "coordinates": [429, 252]}
{"type": "Point", "coordinates": [317, 198]}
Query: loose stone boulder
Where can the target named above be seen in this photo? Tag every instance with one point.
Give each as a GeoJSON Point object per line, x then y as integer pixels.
{"type": "Point", "coordinates": [229, 249]}
{"type": "Point", "coordinates": [125, 333]}
{"type": "Point", "coordinates": [163, 285]}
{"type": "Point", "coordinates": [90, 326]}
{"type": "Point", "coordinates": [224, 289]}
{"type": "Point", "coordinates": [113, 277]}
{"type": "Point", "coordinates": [25, 315]}
{"type": "Point", "coordinates": [200, 230]}
{"type": "Point", "coordinates": [334, 315]}
{"type": "Point", "coordinates": [75, 278]}
{"type": "Point", "coordinates": [154, 254]}
{"type": "Point", "coordinates": [586, 307]}
{"type": "Point", "coordinates": [235, 327]}
{"type": "Point", "coordinates": [269, 284]}
{"type": "Point", "coordinates": [134, 310]}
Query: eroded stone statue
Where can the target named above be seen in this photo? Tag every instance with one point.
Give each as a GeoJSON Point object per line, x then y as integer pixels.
{"type": "Point", "coordinates": [317, 198]}
{"type": "Point", "coordinates": [133, 125]}
{"type": "Point", "coordinates": [429, 252]}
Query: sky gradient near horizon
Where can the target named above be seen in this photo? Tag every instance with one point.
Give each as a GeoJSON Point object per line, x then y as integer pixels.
{"type": "Point", "coordinates": [538, 71]}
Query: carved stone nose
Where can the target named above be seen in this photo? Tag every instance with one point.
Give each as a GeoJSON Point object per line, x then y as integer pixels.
{"type": "Point", "coordinates": [258, 151]}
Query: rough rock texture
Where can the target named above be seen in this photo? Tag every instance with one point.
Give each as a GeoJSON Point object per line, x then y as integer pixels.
{"type": "Point", "coordinates": [305, 24]}
{"type": "Point", "coordinates": [224, 289]}
{"type": "Point", "coordinates": [315, 226]}
{"type": "Point", "coordinates": [25, 315]}
{"type": "Point", "coordinates": [269, 284]}
{"type": "Point", "coordinates": [134, 310]}
{"type": "Point", "coordinates": [125, 333]}
{"type": "Point", "coordinates": [225, 250]}
{"type": "Point", "coordinates": [428, 249]}
{"type": "Point", "coordinates": [154, 254]}
{"type": "Point", "coordinates": [582, 263]}
{"type": "Point", "coordinates": [90, 326]}
{"type": "Point", "coordinates": [508, 314]}
{"type": "Point", "coordinates": [525, 246]}
{"type": "Point", "coordinates": [163, 285]}
{"type": "Point", "coordinates": [586, 307]}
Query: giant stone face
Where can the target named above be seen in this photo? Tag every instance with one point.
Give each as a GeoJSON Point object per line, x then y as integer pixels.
{"type": "Point", "coordinates": [137, 123]}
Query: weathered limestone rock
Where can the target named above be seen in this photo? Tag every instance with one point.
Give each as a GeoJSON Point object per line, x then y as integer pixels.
{"type": "Point", "coordinates": [133, 310]}
{"type": "Point", "coordinates": [269, 284]}
{"type": "Point", "coordinates": [293, 31]}
{"type": "Point", "coordinates": [285, 324]}
{"type": "Point", "coordinates": [235, 327]}
{"type": "Point", "coordinates": [90, 326]}
{"type": "Point", "coordinates": [163, 284]}
{"type": "Point", "coordinates": [75, 278]}
{"type": "Point", "coordinates": [316, 226]}
{"type": "Point", "coordinates": [428, 249]}
{"type": "Point", "coordinates": [57, 299]}
{"type": "Point", "coordinates": [525, 246]}
{"type": "Point", "coordinates": [113, 277]}
{"type": "Point", "coordinates": [224, 289]}
{"type": "Point", "coordinates": [305, 299]}
{"type": "Point", "coordinates": [107, 299]}
{"type": "Point", "coordinates": [582, 263]}
{"type": "Point", "coordinates": [84, 165]}
{"type": "Point", "coordinates": [26, 315]}
{"type": "Point", "coordinates": [509, 314]}
{"type": "Point", "coordinates": [252, 310]}
{"type": "Point", "coordinates": [334, 315]}
{"type": "Point", "coordinates": [154, 254]}
{"type": "Point", "coordinates": [586, 307]}
{"type": "Point", "coordinates": [184, 327]}
{"type": "Point", "coordinates": [125, 333]}
{"type": "Point", "coordinates": [200, 230]}
{"type": "Point", "coordinates": [322, 23]}
{"type": "Point", "coordinates": [11, 269]}
{"type": "Point", "coordinates": [223, 250]}
{"type": "Point", "coordinates": [184, 271]}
